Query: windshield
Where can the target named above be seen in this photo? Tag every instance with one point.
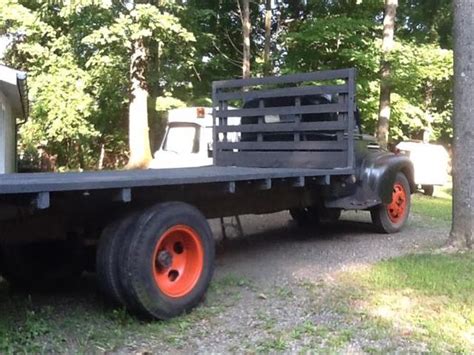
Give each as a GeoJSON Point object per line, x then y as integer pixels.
{"type": "Point", "coordinates": [182, 139]}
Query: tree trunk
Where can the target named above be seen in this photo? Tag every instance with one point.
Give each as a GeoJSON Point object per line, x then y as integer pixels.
{"type": "Point", "coordinates": [428, 128]}
{"type": "Point", "coordinates": [387, 46]}
{"type": "Point", "coordinates": [245, 17]}
{"type": "Point", "coordinates": [139, 141]}
{"type": "Point", "coordinates": [462, 229]}
{"type": "Point", "coordinates": [267, 65]}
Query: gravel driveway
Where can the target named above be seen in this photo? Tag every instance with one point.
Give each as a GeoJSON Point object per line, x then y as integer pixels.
{"type": "Point", "coordinates": [267, 295]}
{"type": "Point", "coordinates": [274, 248]}
{"type": "Point", "coordinates": [265, 282]}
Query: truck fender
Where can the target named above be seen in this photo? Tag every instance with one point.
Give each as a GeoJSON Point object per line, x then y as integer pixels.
{"type": "Point", "coordinates": [379, 170]}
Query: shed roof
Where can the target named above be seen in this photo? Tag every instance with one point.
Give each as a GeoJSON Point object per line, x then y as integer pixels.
{"type": "Point", "coordinates": [13, 85]}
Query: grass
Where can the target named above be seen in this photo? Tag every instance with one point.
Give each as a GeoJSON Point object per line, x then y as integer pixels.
{"type": "Point", "coordinates": [436, 207]}
{"type": "Point", "coordinates": [426, 298]}
{"type": "Point", "coordinates": [76, 321]}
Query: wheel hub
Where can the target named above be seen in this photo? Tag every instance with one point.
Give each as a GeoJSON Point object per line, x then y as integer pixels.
{"type": "Point", "coordinates": [178, 261]}
{"type": "Point", "coordinates": [164, 259]}
{"type": "Point", "coordinates": [396, 209]}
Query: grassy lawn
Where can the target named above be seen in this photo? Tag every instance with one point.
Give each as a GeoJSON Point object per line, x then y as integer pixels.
{"type": "Point", "coordinates": [425, 298]}
{"type": "Point", "coordinates": [436, 207]}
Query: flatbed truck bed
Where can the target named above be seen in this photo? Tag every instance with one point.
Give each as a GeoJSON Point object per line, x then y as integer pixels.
{"type": "Point", "coordinates": [145, 232]}
{"type": "Point", "coordinates": [22, 183]}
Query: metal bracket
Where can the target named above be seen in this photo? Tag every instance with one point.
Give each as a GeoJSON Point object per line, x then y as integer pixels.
{"type": "Point", "coordinates": [298, 181]}
{"type": "Point", "coordinates": [42, 200]}
{"type": "Point", "coordinates": [124, 195]}
{"type": "Point", "coordinates": [231, 187]}
{"type": "Point", "coordinates": [265, 184]}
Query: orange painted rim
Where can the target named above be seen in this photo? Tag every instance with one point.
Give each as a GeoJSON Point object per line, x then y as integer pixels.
{"type": "Point", "coordinates": [397, 208]}
{"type": "Point", "coordinates": [178, 261]}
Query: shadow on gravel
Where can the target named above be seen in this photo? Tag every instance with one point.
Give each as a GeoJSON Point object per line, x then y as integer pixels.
{"type": "Point", "coordinates": [293, 233]}
{"type": "Point", "coordinates": [85, 289]}
{"type": "Point", "coordinates": [76, 319]}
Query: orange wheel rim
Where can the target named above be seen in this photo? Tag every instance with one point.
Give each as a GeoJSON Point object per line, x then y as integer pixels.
{"type": "Point", "coordinates": [397, 208]}
{"type": "Point", "coordinates": [178, 261]}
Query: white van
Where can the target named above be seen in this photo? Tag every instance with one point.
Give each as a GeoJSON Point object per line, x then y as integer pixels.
{"type": "Point", "coordinates": [430, 162]}
{"type": "Point", "coordinates": [188, 139]}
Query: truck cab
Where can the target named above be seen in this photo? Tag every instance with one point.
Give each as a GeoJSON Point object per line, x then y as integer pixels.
{"type": "Point", "coordinates": [187, 141]}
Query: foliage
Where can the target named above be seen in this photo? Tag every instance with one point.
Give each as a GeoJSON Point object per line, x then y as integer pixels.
{"type": "Point", "coordinates": [312, 45]}
{"type": "Point", "coordinates": [422, 79]}
{"type": "Point", "coordinates": [335, 36]}
{"type": "Point", "coordinates": [77, 54]}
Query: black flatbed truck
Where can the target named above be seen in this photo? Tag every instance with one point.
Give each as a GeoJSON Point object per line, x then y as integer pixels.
{"type": "Point", "coordinates": [298, 147]}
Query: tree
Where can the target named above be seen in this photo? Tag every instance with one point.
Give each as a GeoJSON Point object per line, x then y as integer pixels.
{"type": "Point", "coordinates": [138, 133]}
{"type": "Point", "coordinates": [387, 46]}
{"type": "Point", "coordinates": [78, 55]}
{"type": "Point", "coordinates": [245, 18]}
{"type": "Point", "coordinates": [334, 35]}
{"type": "Point", "coordinates": [462, 229]}
{"type": "Point", "coordinates": [267, 66]}
{"type": "Point", "coordinates": [131, 34]}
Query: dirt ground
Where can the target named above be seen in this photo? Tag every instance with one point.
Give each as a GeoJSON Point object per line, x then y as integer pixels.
{"type": "Point", "coordinates": [267, 295]}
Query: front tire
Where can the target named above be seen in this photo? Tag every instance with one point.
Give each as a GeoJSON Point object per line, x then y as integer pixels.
{"type": "Point", "coordinates": [392, 217]}
{"type": "Point", "coordinates": [168, 260]}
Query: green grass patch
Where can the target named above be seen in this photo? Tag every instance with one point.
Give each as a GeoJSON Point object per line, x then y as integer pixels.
{"type": "Point", "coordinates": [427, 298]}
{"type": "Point", "coordinates": [436, 207]}
{"type": "Point", "coordinates": [75, 321]}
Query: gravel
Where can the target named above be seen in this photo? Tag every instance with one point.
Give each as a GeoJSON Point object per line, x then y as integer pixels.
{"type": "Point", "coordinates": [277, 270]}
{"type": "Point", "coordinates": [270, 294]}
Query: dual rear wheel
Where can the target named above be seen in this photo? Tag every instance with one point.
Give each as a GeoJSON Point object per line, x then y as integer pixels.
{"type": "Point", "coordinates": [157, 263]}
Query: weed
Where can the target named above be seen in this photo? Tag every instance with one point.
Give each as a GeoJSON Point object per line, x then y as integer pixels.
{"type": "Point", "coordinates": [284, 292]}
{"type": "Point", "coordinates": [278, 343]}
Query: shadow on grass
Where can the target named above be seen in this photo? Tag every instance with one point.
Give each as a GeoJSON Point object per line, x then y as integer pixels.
{"type": "Point", "coordinates": [425, 299]}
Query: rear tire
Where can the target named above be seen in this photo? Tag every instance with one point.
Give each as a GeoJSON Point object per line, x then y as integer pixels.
{"type": "Point", "coordinates": [168, 261]}
{"type": "Point", "coordinates": [315, 216]}
{"type": "Point", "coordinates": [428, 190]}
{"type": "Point", "coordinates": [392, 217]}
{"type": "Point", "coordinates": [108, 258]}
{"type": "Point", "coordinates": [302, 216]}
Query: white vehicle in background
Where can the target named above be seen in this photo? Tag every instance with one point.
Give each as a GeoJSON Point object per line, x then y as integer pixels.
{"type": "Point", "coordinates": [430, 162]}
{"type": "Point", "coordinates": [188, 139]}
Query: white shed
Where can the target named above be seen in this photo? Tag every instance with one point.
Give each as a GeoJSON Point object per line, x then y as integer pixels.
{"type": "Point", "coordinates": [13, 107]}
